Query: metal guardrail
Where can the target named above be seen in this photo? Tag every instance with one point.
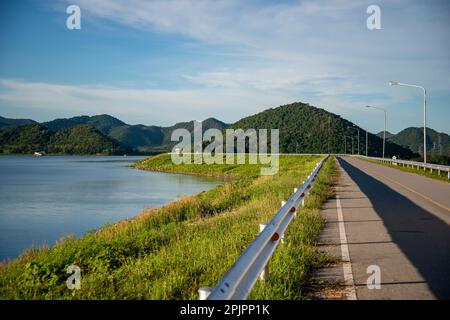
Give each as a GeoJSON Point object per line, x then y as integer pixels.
{"type": "Point", "coordinates": [413, 164]}
{"type": "Point", "coordinates": [239, 280]}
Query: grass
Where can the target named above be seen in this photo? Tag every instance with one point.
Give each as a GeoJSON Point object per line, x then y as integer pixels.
{"type": "Point", "coordinates": [420, 171]}
{"type": "Point", "coordinates": [172, 251]}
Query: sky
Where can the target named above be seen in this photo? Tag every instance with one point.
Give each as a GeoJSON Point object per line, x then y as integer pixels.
{"type": "Point", "coordinates": [165, 61]}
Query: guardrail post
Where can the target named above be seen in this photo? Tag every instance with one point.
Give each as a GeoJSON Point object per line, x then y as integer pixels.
{"type": "Point", "coordinates": [264, 275]}
{"type": "Point", "coordinates": [303, 200]}
{"type": "Point", "coordinates": [282, 236]}
{"type": "Point", "coordinates": [295, 213]}
{"type": "Point", "coordinates": [204, 292]}
{"type": "Point", "coordinates": [448, 175]}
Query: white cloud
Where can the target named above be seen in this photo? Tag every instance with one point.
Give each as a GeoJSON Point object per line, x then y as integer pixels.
{"type": "Point", "coordinates": [147, 106]}
{"type": "Point", "coordinates": [297, 41]}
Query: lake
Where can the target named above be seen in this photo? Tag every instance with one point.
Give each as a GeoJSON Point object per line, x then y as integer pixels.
{"type": "Point", "coordinates": [45, 198]}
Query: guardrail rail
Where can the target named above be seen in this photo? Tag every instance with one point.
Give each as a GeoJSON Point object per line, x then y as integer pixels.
{"type": "Point", "coordinates": [252, 264]}
{"type": "Point", "coordinates": [413, 164]}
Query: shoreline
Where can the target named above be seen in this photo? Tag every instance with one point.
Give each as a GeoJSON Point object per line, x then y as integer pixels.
{"type": "Point", "coordinates": [155, 248]}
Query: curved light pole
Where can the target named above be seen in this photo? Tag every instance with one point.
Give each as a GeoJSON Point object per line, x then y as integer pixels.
{"type": "Point", "coordinates": [385, 121]}
{"type": "Point", "coordinates": [395, 83]}
{"type": "Point", "coordinates": [367, 144]}
{"type": "Point", "coordinates": [345, 139]}
{"type": "Point", "coordinates": [358, 136]}
{"type": "Point", "coordinates": [345, 144]}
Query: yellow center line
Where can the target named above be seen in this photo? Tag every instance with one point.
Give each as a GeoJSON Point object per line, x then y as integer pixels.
{"type": "Point", "coordinates": [416, 192]}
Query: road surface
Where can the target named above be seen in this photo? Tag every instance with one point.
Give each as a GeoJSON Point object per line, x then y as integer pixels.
{"type": "Point", "coordinates": [394, 220]}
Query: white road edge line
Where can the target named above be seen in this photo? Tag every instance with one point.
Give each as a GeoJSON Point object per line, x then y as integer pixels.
{"type": "Point", "coordinates": [347, 265]}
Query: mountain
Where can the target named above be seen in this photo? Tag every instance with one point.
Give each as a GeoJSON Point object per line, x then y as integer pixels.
{"type": "Point", "coordinates": [210, 123]}
{"type": "Point", "coordinates": [139, 137]}
{"type": "Point", "coordinates": [303, 129]}
{"type": "Point", "coordinates": [104, 123]}
{"type": "Point", "coordinates": [142, 138]}
{"type": "Point", "coordinates": [83, 139]}
{"type": "Point", "coordinates": [438, 143]}
{"type": "Point", "coordinates": [9, 123]}
{"type": "Point", "coordinates": [388, 134]}
{"type": "Point", "coordinates": [80, 139]}
{"type": "Point", "coordinates": [307, 129]}
{"type": "Point", "coordinates": [24, 139]}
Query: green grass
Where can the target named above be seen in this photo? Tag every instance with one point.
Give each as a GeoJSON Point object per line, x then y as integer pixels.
{"type": "Point", "coordinates": [435, 175]}
{"type": "Point", "coordinates": [172, 251]}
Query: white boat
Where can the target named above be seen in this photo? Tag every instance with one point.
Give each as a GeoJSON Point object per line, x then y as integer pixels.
{"type": "Point", "coordinates": [39, 154]}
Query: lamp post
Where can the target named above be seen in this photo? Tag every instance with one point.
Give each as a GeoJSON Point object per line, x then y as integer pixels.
{"type": "Point", "coordinates": [385, 121]}
{"type": "Point", "coordinates": [345, 139]}
{"type": "Point", "coordinates": [395, 83]}
{"type": "Point", "coordinates": [358, 136]}
{"type": "Point", "coordinates": [367, 143]}
{"type": "Point", "coordinates": [345, 144]}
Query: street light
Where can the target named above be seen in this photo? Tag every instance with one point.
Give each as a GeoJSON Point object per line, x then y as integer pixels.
{"type": "Point", "coordinates": [345, 139]}
{"type": "Point", "coordinates": [395, 83]}
{"type": "Point", "coordinates": [358, 135]}
{"type": "Point", "coordinates": [385, 121]}
{"type": "Point", "coordinates": [345, 145]}
{"type": "Point", "coordinates": [367, 144]}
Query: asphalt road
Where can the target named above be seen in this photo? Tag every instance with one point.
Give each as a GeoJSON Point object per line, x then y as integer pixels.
{"type": "Point", "coordinates": [397, 221]}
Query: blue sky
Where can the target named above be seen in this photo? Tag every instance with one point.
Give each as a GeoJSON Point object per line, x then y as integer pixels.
{"type": "Point", "coordinates": [165, 61]}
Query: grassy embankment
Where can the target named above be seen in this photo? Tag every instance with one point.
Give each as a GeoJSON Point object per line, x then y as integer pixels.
{"type": "Point", "coordinates": [435, 174]}
{"type": "Point", "coordinates": [170, 252]}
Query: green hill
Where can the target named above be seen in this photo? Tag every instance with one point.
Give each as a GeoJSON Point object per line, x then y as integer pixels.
{"type": "Point", "coordinates": [80, 139]}
{"type": "Point", "coordinates": [83, 139]}
{"type": "Point", "coordinates": [9, 123]}
{"type": "Point", "coordinates": [24, 139]}
{"type": "Point", "coordinates": [438, 143]}
{"type": "Point", "coordinates": [307, 129]}
{"type": "Point", "coordinates": [210, 123]}
{"type": "Point", "coordinates": [104, 123]}
{"type": "Point", "coordinates": [388, 134]}
{"type": "Point", "coordinates": [139, 137]}
{"type": "Point", "coordinates": [303, 129]}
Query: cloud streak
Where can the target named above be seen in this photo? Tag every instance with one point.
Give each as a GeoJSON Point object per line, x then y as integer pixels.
{"type": "Point", "coordinates": [133, 105]}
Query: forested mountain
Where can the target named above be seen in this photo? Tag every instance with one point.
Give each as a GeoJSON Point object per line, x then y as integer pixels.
{"type": "Point", "coordinates": [307, 129]}
{"type": "Point", "coordinates": [438, 143]}
{"type": "Point", "coordinates": [388, 134]}
{"type": "Point", "coordinates": [210, 123]}
{"type": "Point", "coordinates": [139, 137]}
{"type": "Point", "coordinates": [104, 123]}
{"type": "Point", "coordinates": [7, 123]}
{"type": "Point", "coordinates": [24, 139]}
{"type": "Point", "coordinates": [303, 129]}
{"type": "Point", "coordinates": [80, 139]}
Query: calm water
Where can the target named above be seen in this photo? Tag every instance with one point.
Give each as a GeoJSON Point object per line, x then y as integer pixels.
{"type": "Point", "coordinates": [42, 199]}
